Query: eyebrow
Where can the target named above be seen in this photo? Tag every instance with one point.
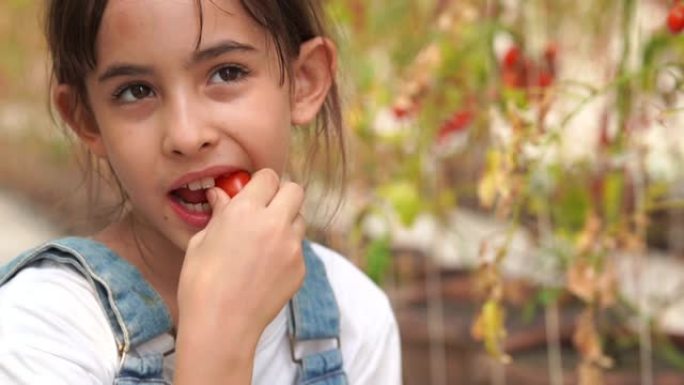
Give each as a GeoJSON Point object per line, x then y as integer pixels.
{"type": "Point", "coordinates": [123, 70]}
{"type": "Point", "coordinates": [219, 49]}
{"type": "Point", "coordinates": [204, 54]}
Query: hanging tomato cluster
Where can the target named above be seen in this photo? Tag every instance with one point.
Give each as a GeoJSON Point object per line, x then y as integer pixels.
{"type": "Point", "coordinates": [457, 123]}
{"type": "Point", "coordinates": [521, 72]}
{"type": "Point", "coordinates": [675, 18]}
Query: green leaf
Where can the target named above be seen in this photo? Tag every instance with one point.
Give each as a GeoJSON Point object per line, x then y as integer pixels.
{"type": "Point", "coordinates": [670, 353]}
{"type": "Point", "coordinates": [570, 206]}
{"type": "Point", "coordinates": [549, 295]}
{"type": "Point", "coordinates": [612, 197]}
{"type": "Point", "coordinates": [405, 199]}
{"type": "Point", "coordinates": [378, 258]}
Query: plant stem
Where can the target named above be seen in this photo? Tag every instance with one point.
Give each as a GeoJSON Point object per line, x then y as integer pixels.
{"type": "Point", "coordinates": [498, 372]}
{"type": "Point", "coordinates": [435, 318]}
{"type": "Point", "coordinates": [625, 97]}
{"type": "Point", "coordinates": [645, 340]}
{"type": "Point", "coordinates": [552, 323]}
{"type": "Point", "coordinates": [631, 33]}
{"type": "Point", "coordinates": [551, 316]}
{"type": "Point", "coordinates": [433, 288]}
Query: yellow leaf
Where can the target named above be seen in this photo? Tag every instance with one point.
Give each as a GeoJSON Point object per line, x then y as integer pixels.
{"type": "Point", "coordinates": [493, 182]}
{"type": "Point", "coordinates": [489, 326]}
{"type": "Point", "coordinates": [487, 189]}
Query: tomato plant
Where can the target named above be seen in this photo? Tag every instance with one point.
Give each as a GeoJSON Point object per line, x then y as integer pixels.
{"type": "Point", "coordinates": [494, 108]}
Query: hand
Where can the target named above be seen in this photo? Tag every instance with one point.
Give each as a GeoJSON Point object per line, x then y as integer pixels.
{"type": "Point", "coordinates": [242, 268]}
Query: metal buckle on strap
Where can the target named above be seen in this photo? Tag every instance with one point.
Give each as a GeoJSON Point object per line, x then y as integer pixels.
{"type": "Point", "coordinates": [312, 347]}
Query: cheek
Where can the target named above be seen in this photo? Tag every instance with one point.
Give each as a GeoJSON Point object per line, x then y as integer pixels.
{"type": "Point", "coordinates": [279, 130]}
{"type": "Point", "coordinates": [129, 158]}
{"type": "Point", "coordinates": [271, 147]}
{"type": "Point", "coordinates": [262, 128]}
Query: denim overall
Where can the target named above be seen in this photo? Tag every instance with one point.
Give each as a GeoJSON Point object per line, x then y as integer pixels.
{"type": "Point", "coordinates": [137, 313]}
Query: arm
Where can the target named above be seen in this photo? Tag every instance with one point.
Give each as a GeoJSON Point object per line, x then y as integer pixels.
{"type": "Point", "coordinates": [197, 351]}
{"type": "Point", "coordinates": [238, 273]}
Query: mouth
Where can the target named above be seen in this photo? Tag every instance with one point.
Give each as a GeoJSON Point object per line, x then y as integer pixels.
{"type": "Point", "coordinates": [188, 195]}
{"type": "Point", "coordinates": [192, 197]}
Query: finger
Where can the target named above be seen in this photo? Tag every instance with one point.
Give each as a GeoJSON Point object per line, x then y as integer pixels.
{"type": "Point", "coordinates": [299, 226]}
{"type": "Point", "coordinates": [217, 198]}
{"type": "Point", "coordinates": [262, 187]}
{"type": "Point", "coordinates": [288, 200]}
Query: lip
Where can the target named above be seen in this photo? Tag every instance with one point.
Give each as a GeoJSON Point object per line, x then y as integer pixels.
{"type": "Point", "coordinates": [211, 172]}
{"type": "Point", "coordinates": [194, 219]}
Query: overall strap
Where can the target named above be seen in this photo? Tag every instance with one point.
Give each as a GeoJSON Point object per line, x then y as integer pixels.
{"type": "Point", "coordinates": [122, 293]}
{"type": "Point", "coordinates": [314, 317]}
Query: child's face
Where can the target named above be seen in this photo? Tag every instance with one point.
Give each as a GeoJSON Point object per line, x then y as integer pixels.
{"type": "Point", "coordinates": [170, 113]}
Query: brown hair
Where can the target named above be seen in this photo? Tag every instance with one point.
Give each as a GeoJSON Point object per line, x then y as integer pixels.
{"type": "Point", "coordinates": [72, 26]}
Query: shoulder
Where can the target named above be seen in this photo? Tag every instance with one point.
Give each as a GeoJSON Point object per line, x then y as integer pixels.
{"type": "Point", "coordinates": [368, 330]}
{"type": "Point", "coordinates": [51, 319]}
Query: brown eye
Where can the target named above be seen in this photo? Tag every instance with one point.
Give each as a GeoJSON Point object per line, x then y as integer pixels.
{"type": "Point", "coordinates": [228, 74]}
{"type": "Point", "coordinates": [140, 91]}
{"type": "Point", "coordinates": [133, 92]}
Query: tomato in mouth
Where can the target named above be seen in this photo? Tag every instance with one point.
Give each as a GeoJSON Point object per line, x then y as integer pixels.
{"type": "Point", "coordinates": [233, 183]}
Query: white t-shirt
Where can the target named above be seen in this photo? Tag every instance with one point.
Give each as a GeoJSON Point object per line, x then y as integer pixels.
{"type": "Point", "coordinates": [54, 331]}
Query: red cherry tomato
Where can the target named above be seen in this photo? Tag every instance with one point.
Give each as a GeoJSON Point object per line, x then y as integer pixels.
{"type": "Point", "coordinates": [675, 19]}
{"type": "Point", "coordinates": [544, 79]}
{"type": "Point", "coordinates": [400, 112]}
{"type": "Point", "coordinates": [511, 57]}
{"type": "Point", "coordinates": [233, 183]}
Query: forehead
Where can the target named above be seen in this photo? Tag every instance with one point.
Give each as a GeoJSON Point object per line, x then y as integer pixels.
{"type": "Point", "coordinates": [130, 27]}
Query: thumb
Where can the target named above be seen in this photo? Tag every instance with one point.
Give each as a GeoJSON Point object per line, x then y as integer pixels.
{"type": "Point", "coordinates": [217, 199]}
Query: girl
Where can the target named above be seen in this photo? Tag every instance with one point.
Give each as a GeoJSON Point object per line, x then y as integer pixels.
{"type": "Point", "coordinates": [190, 286]}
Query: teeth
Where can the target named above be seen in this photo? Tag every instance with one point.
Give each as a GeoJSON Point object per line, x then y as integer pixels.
{"type": "Point", "coordinates": [196, 207]}
{"type": "Point", "coordinates": [201, 184]}
{"type": "Point", "coordinates": [194, 186]}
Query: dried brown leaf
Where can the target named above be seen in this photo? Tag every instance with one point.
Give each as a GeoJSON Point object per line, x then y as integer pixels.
{"type": "Point", "coordinates": [582, 280]}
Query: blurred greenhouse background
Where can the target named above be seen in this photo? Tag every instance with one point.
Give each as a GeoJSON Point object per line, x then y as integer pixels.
{"type": "Point", "coordinates": [516, 181]}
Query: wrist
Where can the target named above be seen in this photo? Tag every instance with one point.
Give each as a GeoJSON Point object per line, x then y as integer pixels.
{"type": "Point", "coordinates": [213, 354]}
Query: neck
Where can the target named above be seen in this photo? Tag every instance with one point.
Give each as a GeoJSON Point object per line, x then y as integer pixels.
{"type": "Point", "coordinates": [158, 260]}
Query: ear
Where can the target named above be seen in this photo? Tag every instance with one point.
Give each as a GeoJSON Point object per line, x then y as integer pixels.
{"type": "Point", "coordinates": [313, 75]}
{"type": "Point", "coordinates": [79, 118]}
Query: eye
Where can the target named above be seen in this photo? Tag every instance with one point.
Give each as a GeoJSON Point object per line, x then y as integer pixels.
{"type": "Point", "coordinates": [227, 74]}
{"type": "Point", "coordinates": [133, 93]}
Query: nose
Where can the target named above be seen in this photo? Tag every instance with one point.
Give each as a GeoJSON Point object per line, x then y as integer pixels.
{"type": "Point", "coordinates": [186, 132]}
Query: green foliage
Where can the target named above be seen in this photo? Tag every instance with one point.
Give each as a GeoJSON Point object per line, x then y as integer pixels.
{"type": "Point", "coordinates": [670, 352]}
{"type": "Point", "coordinates": [404, 198]}
{"type": "Point", "coordinates": [378, 259]}
{"type": "Point", "coordinates": [570, 206]}
{"type": "Point", "coordinates": [612, 198]}
{"type": "Point", "coordinates": [443, 117]}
